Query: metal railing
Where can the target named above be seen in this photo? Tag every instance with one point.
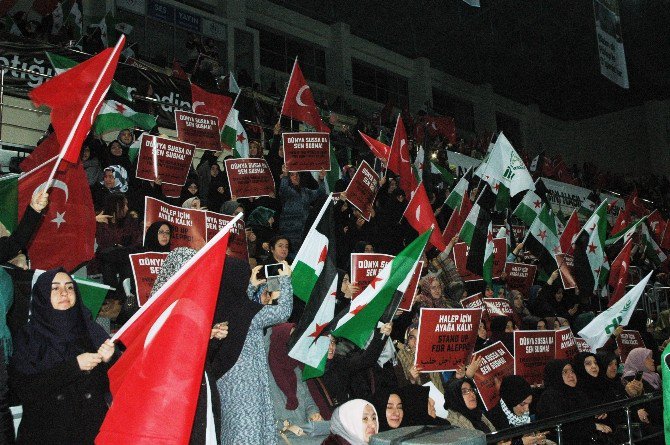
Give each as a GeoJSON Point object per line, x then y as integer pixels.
{"type": "Point", "coordinates": [559, 422]}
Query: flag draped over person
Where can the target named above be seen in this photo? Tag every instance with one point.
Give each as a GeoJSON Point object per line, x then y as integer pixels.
{"type": "Point", "coordinates": [357, 322]}
{"type": "Point", "coordinates": [170, 332]}
{"type": "Point", "coordinates": [299, 103]}
{"type": "Point", "coordinates": [75, 97]}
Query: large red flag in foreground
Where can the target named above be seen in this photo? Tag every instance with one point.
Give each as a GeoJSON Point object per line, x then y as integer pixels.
{"type": "Point", "coordinates": [66, 236]}
{"type": "Point", "coordinates": [299, 102]}
{"type": "Point", "coordinates": [399, 160]}
{"type": "Point", "coordinates": [46, 150]}
{"type": "Point", "coordinates": [75, 97]}
{"type": "Point", "coordinates": [420, 216]}
{"type": "Point", "coordinates": [618, 278]}
{"type": "Point", "coordinates": [204, 102]}
{"type": "Point", "coordinates": [156, 381]}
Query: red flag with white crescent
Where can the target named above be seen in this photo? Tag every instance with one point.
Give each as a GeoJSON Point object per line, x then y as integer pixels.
{"type": "Point", "coordinates": [420, 216]}
{"type": "Point", "coordinates": [299, 102]}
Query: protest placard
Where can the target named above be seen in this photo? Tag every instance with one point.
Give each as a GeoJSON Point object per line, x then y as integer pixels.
{"type": "Point", "coordinates": [201, 130]}
{"type": "Point", "coordinates": [189, 228]}
{"type": "Point", "coordinates": [362, 189]}
{"type": "Point", "coordinates": [365, 267]}
{"type": "Point", "coordinates": [497, 307]}
{"type": "Point", "coordinates": [565, 267]}
{"type": "Point", "coordinates": [145, 268]}
{"type": "Point", "coordinates": [520, 277]}
{"type": "Point", "coordinates": [497, 363]}
{"type": "Point", "coordinates": [627, 341]}
{"type": "Point", "coordinates": [164, 158]}
{"type": "Point", "coordinates": [446, 338]}
{"type": "Point", "coordinates": [237, 243]}
{"type": "Point", "coordinates": [582, 345]}
{"type": "Point", "coordinates": [249, 178]}
{"type": "Point", "coordinates": [532, 351]}
{"type": "Point", "coordinates": [460, 253]}
{"type": "Point", "coordinates": [306, 151]}
{"type": "Point", "coordinates": [566, 346]}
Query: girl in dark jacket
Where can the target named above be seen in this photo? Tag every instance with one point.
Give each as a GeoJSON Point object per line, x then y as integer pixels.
{"type": "Point", "coordinates": [59, 366]}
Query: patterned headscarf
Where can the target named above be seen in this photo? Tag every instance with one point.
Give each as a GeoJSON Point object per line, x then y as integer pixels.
{"type": "Point", "coordinates": [120, 179]}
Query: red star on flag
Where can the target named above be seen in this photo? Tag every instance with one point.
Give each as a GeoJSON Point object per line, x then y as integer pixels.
{"type": "Point", "coordinates": [489, 237]}
{"type": "Point", "coordinates": [592, 248]}
{"type": "Point", "coordinates": [374, 281]}
{"type": "Point", "coordinates": [323, 255]}
{"type": "Point", "coordinates": [542, 234]}
{"type": "Point", "coordinates": [497, 186]}
{"type": "Point", "coordinates": [120, 108]}
{"type": "Point", "coordinates": [241, 138]}
{"type": "Point", "coordinates": [537, 204]}
{"type": "Point", "coordinates": [592, 206]}
{"type": "Point", "coordinates": [597, 271]}
{"type": "Point", "coordinates": [318, 329]}
{"type": "Point", "coordinates": [357, 309]}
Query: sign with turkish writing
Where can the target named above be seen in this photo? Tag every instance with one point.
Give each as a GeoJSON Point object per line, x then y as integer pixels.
{"type": "Point", "coordinates": [410, 293]}
{"type": "Point", "coordinates": [520, 276]}
{"type": "Point", "coordinates": [460, 252]}
{"type": "Point", "coordinates": [171, 191]}
{"type": "Point", "coordinates": [190, 229]}
{"type": "Point", "coordinates": [473, 301]}
{"type": "Point", "coordinates": [164, 158]}
{"type": "Point", "coordinates": [532, 351]}
{"type": "Point", "coordinates": [365, 267]}
{"type": "Point", "coordinates": [145, 270]}
{"type": "Point", "coordinates": [306, 151]}
{"type": "Point", "coordinates": [497, 363]}
{"type": "Point", "coordinates": [566, 264]}
{"type": "Point", "coordinates": [498, 306]}
{"type": "Point", "coordinates": [237, 243]}
{"type": "Point", "coordinates": [627, 341]}
{"type": "Point", "coordinates": [446, 338]}
{"type": "Point", "coordinates": [362, 189]}
{"type": "Point", "coordinates": [582, 345]}
{"type": "Point", "coordinates": [201, 130]}
{"type": "Point", "coordinates": [566, 346]}
{"type": "Point", "coordinates": [249, 177]}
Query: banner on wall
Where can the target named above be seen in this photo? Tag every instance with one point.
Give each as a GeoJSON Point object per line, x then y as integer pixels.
{"type": "Point", "coordinates": [610, 41]}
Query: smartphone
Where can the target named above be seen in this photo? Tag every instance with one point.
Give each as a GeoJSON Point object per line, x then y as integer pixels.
{"type": "Point", "coordinates": [638, 375]}
{"type": "Point", "coordinates": [272, 270]}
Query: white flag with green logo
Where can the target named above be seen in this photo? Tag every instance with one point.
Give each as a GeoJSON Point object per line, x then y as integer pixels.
{"type": "Point", "coordinates": [503, 164]}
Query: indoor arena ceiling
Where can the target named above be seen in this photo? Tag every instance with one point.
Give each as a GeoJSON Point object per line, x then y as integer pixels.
{"type": "Point", "coordinates": [532, 51]}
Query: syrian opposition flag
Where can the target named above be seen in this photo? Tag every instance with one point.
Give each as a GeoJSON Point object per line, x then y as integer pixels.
{"type": "Point", "coordinates": [311, 258]}
{"type": "Point", "coordinates": [480, 255]}
{"type": "Point", "coordinates": [299, 103]}
{"type": "Point", "coordinates": [204, 102]}
{"type": "Point", "coordinates": [616, 243]}
{"type": "Point", "coordinates": [75, 97]}
{"type": "Point", "coordinates": [456, 220]}
{"type": "Point", "coordinates": [419, 214]}
{"type": "Point", "coordinates": [542, 240]}
{"type": "Point", "coordinates": [234, 137]}
{"type": "Point", "coordinates": [651, 248]}
{"type": "Point", "coordinates": [399, 160]}
{"type": "Point", "coordinates": [504, 165]}
{"type": "Point", "coordinates": [116, 116]}
{"type": "Point", "coordinates": [599, 330]}
{"type": "Point", "coordinates": [618, 278]}
{"type": "Point", "coordinates": [357, 322]}
{"type": "Point", "coordinates": [596, 229]}
{"type": "Point", "coordinates": [459, 191]}
{"type": "Point", "coordinates": [589, 204]}
{"type": "Point", "coordinates": [529, 207]}
{"type": "Point", "coordinates": [308, 344]}
{"type": "Point", "coordinates": [61, 64]}
{"type": "Point", "coordinates": [475, 224]}
{"type": "Point", "coordinates": [569, 233]}
{"type": "Point", "coordinates": [378, 148]}
{"type": "Point", "coordinates": [170, 332]}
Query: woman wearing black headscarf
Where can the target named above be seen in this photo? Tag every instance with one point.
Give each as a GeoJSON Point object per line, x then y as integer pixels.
{"type": "Point", "coordinates": [460, 398]}
{"type": "Point", "coordinates": [418, 407]}
{"type": "Point", "coordinates": [501, 330]}
{"type": "Point", "coordinates": [158, 237]}
{"type": "Point", "coordinates": [390, 410]}
{"type": "Point", "coordinates": [59, 366]}
{"type": "Point", "coordinates": [561, 396]}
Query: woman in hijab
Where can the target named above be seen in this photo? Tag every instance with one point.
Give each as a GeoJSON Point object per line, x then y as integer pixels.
{"type": "Point", "coordinates": [406, 372]}
{"type": "Point", "coordinates": [59, 366]}
{"type": "Point", "coordinates": [353, 423]}
{"type": "Point", "coordinates": [114, 180]}
{"type": "Point", "coordinates": [460, 398]}
{"type": "Point", "coordinates": [389, 408]}
{"type": "Point", "coordinates": [188, 191]}
{"type": "Point", "coordinates": [117, 155]}
{"type": "Point", "coordinates": [561, 396]}
{"type": "Point", "coordinates": [158, 237]}
{"type": "Point", "coordinates": [501, 330]}
{"type": "Point", "coordinates": [244, 376]}
{"type": "Point", "coordinates": [512, 410]}
{"type": "Point", "coordinates": [419, 408]}
{"type": "Point", "coordinates": [642, 360]}
{"type": "Point", "coordinates": [515, 299]}
{"type": "Point", "coordinates": [432, 294]}
{"type": "Point", "coordinates": [217, 191]}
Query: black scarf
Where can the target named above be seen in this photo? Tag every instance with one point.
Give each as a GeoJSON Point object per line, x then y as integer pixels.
{"type": "Point", "coordinates": [151, 243]}
{"type": "Point", "coordinates": [453, 400]}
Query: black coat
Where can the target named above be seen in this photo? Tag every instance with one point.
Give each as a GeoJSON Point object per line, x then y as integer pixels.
{"type": "Point", "coordinates": [63, 405]}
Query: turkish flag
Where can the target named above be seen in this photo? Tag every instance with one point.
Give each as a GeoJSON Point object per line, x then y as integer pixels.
{"type": "Point", "coordinates": [156, 381]}
{"type": "Point", "coordinates": [618, 278]}
{"type": "Point", "coordinates": [211, 104]}
{"type": "Point", "coordinates": [456, 220]}
{"type": "Point", "coordinates": [299, 102]}
{"type": "Point", "coordinates": [634, 205]}
{"type": "Point", "coordinates": [378, 148]}
{"type": "Point", "coordinates": [420, 216]}
{"type": "Point", "coordinates": [66, 236]}
{"type": "Point", "coordinates": [622, 221]}
{"type": "Point", "coordinates": [656, 224]}
{"type": "Point", "coordinates": [399, 160]}
{"type": "Point", "coordinates": [47, 149]}
{"type": "Point", "coordinates": [571, 229]}
{"type": "Point", "coordinates": [436, 125]}
{"type": "Point", "coordinates": [75, 98]}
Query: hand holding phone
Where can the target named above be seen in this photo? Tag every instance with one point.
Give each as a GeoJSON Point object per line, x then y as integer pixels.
{"type": "Point", "coordinates": [638, 375]}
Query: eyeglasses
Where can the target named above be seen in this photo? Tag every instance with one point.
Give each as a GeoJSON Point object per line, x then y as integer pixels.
{"type": "Point", "coordinates": [466, 391]}
{"type": "Point", "coordinates": [163, 232]}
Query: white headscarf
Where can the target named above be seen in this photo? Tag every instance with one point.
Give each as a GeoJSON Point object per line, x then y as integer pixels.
{"type": "Point", "coordinates": [347, 421]}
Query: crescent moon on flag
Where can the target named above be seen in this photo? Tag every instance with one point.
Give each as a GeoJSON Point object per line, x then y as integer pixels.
{"type": "Point", "coordinates": [298, 97]}
{"type": "Point", "coordinates": [195, 105]}
{"type": "Point", "coordinates": [56, 184]}
{"type": "Point", "coordinates": [418, 213]}
{"type": "Point", "coordinates": [158, 324]}
{"type": "Point", "coordinates": [402, 144]}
